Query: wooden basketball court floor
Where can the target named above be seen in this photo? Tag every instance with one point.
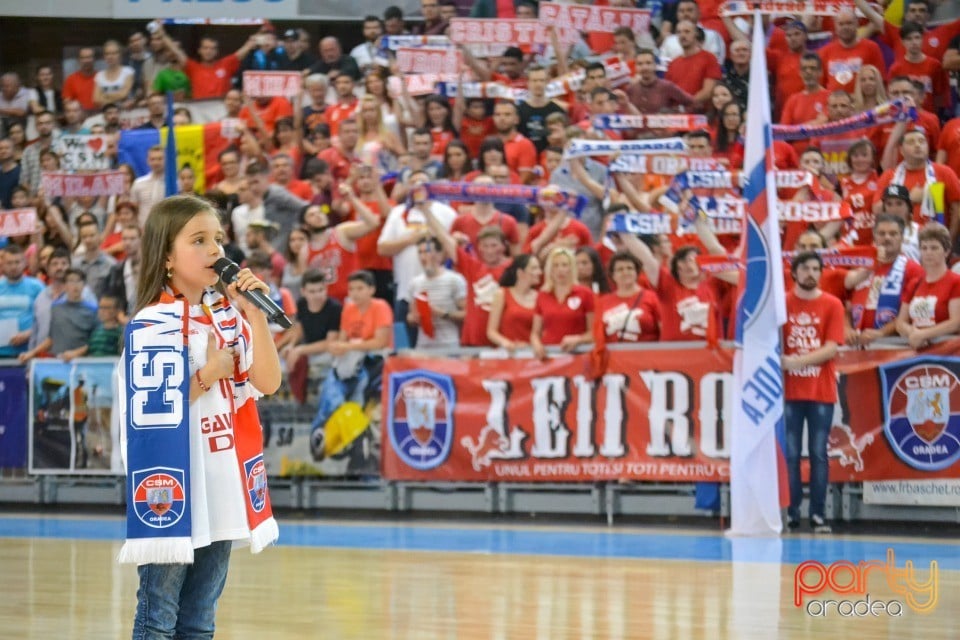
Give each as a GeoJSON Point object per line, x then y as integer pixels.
{"type": "Point", "coordinates": [372, 580]}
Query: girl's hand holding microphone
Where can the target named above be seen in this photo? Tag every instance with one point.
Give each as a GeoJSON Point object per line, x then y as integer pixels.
{"type": "Point", "coordinates": [246, 281]}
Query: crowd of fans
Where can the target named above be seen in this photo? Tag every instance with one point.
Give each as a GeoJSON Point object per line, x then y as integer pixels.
{"type": "Point", "coordinates": [321, 194]}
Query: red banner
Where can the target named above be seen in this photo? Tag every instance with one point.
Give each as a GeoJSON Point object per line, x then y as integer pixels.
{"type": "Point", "coordinates": [18, 222]}
{"type": "Point", "coordinates": [266, 84]}
{"type": "Point", "coordinates": [593, 18]}
{"type": "Point", "coordinates": [515, 32]}
{"type": "Point", "coordinates": [429, 60]}
{"type": "Point", "coordinates": [108, 183]}
{"type": "Point", "coordinates": [656, 415]}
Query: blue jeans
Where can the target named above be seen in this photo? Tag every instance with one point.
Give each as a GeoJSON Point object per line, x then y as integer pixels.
{"type": "Point", "coordinates": [180, 600]}
{"type": "Point", "coordinates": [819, 419]}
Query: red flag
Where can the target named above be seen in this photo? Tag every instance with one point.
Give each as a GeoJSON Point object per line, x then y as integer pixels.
{"type": "Point", "coordinates": [426, 315]}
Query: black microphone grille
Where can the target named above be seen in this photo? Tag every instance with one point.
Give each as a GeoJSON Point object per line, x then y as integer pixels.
{"type": "Point", "coordinates": [227, 269]}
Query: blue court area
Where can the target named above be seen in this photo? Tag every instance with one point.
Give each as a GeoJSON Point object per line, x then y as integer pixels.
{"type": "Point", "coordinates": [599, 542]}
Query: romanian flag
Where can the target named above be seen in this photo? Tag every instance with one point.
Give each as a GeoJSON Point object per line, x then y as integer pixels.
{"type": "Point", "coordinates": [196, 144]}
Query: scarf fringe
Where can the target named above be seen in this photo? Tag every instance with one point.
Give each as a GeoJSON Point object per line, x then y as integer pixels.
{"type": "Point", "coordinates": [157, 551]}
{"type": "Point", "coordinates": [264, 535]}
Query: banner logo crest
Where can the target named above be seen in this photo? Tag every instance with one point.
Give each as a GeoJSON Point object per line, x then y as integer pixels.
{"type": "Point", "coordinates": [921, 405]}
{"type": "Point", "coordinates": [159, 496]}
{"type": "Point", "coordinates": [421, 417]}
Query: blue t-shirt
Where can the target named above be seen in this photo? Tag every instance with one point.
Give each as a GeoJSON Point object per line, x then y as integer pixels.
{"type": "Point", "coordinates": [16, 301]}
{"type": "Point", "coordinates": [8, 180]}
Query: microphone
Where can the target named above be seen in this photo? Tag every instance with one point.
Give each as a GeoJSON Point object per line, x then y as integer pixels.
{"type": "Point", "coordinates": [228, 269]}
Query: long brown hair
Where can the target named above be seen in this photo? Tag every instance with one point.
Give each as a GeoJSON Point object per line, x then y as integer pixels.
{"type": "Point", "coordinates": [167, 218]}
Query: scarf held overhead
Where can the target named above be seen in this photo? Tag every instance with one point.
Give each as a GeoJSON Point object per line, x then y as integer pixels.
{"type": "Point", "coordinates": [155, 391]}
{"type": "Point", "coordinates": [503, 194]}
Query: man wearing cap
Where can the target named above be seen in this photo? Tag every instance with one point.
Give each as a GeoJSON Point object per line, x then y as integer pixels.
{"type": "Point", "coordinates": [875, 301]}
{"type": "Point", "coordinates": [896, 202]}
{"type": "Point", "coordinates": [209, 76]}
{"type": "Point", "coordinates": [296, 42]}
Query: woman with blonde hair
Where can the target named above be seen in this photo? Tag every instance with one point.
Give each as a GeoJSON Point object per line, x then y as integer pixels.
{"type": "Point", "coordinates": [568, 305]}
{"type": "Point", "coordinates": [868, 91]}
{"type": "Point", "coordinates": [376, 144]}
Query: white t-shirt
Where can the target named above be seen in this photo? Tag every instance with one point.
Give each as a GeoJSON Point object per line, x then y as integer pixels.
{"type": "Point", "coordinates": [113, 86]}
{"type": "Point", "coordinates": [443, 291]}
{"type": "Point", "coordinates": [400, 221]}
{"type": "Point", "coordinates": [213, 455]}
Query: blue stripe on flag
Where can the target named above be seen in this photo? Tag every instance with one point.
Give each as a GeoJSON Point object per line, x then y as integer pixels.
{"type": "Point", "coordinates": [170, 169]}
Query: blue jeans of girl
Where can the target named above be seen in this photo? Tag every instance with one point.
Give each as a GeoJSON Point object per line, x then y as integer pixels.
{"type": "Point", "coordinates": [180, 600]}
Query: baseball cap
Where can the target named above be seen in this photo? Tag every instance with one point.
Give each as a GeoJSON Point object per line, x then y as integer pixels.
{"type": "Point", "coordinates": [795, 24]}
{"type": "Point", "coordinates": [897, 191]}
{"type": "Point", "coordinates": [290, 34]}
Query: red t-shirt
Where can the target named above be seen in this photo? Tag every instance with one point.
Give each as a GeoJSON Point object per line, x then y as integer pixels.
{"type": "Point", "coordinates": [810, 325]}
{"type": "Point", "coordinates": [367, 254]}
{"type": "Point", "coordinates": [335, 262]}
{"type": "Point", "coordinates": [520, 153]}
{"type": "Point", "coordinates": [690, 72]}
{"type": "Point", "coordinates": [339, 163]}
{"type": "Point", "coordinates": [685, 312]}
{"type": "Point", "coordinates": [564, 318]}
{"type": "Point", "coordinates": [950, 144]}
{"type": "Point", "coordinates": [860, 196]}
{"type": "Point", "coordinates": [519, 83]}
{"type": "Point", "coordinates": [927, 122]}
{"type": "Point", "coordinates": [785, 67]}
{"type": "Point", "coordinates": [917, 178]}
{"type": "Point", "coordinates": [831, 281]}
{"type": "Point", "coordinates": [935, 41]}
{"type": "Point", "coordinates": [337, 113]}
{"type": "Point", "coordinates": [571, 229]}
{"type": "Point", "coordinates": [277, 108]}
{"type": "Point", "coordinates": [470, 226]}
{"type": "Point", "coordinates": [482, 283]}
{"type": "Point", "coordinates": [784, 155]}
{"type": "Point", "coordinates": [841, 64]}
{"type": "Point", "coordinates": [929, 73]}
{"type": "Point", "coordinates": [929, 302]}
{"type": "Point", "coordinates": [79, 86]}
{"type": "Point", "coordinates": [472, 133]}
{"type": "Point", "coordinates": [633, 318]}
{"type": "Point", "coordinates": [211, 80]}
{"type": "Point", "coordinates": [863, 299]}
{"type": "Point", "coordinates": [516, 321]}
{"type": "Point", "coordinates": [803, 107]}
{"type": "Point", "coordinates": [300, 188]}
{"type": "Point", "coordinates": [440, 140]}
